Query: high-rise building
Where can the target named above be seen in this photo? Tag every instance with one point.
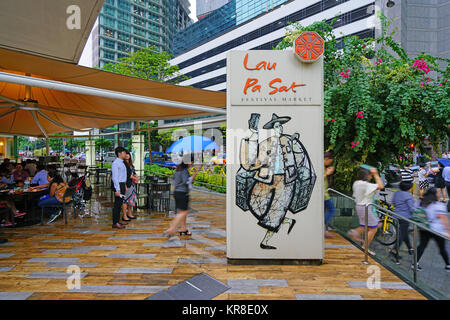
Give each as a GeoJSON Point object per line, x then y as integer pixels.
{"type": "Point", "coordinates": [205, 7]}
{"type": "Point", "coordinates": [224, 16]}
{"type": "Point", "coordinates": [200, 50]}
{"type": "Point", "coordinates": [125, 26]}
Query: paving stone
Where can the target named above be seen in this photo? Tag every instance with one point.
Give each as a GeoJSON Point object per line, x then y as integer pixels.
{"type": "Point", "coordinates": [85, 249]}
{"type": "Point", "coordinates": [53, 275]}
{"type": "Point", "coordinates": [15, 295]}
{"type": "Point", "coordinates": [132, 256]}
{"type": "Point", "coordinates": [383, 285]}
{"type": "Point", "coordinates": [67, 264]}
{"type": "Point", "coordinates": [145, 270]}
{"type": "Point", "coordinates": [69, 260]}
{"type": "Point", "coordinates": [8, 244]}
{"type": "Point", "coordinates": [328, 297]}
{"type": "Point", "coordinates": [119, 289]}
{"type": "Point", "coordinates": [217, 248]}
{"type": "Point", "coordinates": [5, 269]}
{"type": "Point", "coordinates": [139, 227]}
{"type": "Point", "coordinates": [252, 285]}
{"type": "Point", "coordinates": [133, 237]}
{"type": "Point", "coordinates": [202, 261]}
{"type": "Point", "coordinates": [64, 240]}
{"type": "Point", "coordinates": [340, 246]}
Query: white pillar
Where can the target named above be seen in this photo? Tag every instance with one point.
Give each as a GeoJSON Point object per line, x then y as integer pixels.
{"type": "Point", "coordinates": [137, 152]}
{"type": "Point", "coordinates": [90, 153]}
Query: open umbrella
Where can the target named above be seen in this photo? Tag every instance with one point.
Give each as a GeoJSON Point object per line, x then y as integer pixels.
{"type": "Point", "coordinates": [192, 143]}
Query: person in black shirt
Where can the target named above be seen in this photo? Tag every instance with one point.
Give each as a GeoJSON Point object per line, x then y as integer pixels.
{"type": "Point", "coordinates": [130, 194]}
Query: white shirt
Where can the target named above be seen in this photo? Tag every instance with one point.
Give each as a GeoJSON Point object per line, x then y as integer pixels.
{"type": "Point", "coordinates": [363, 192]}
{"type": "Point", "coordinates": [118, 173]}
{"type": "Point", "coordinates": [433, 211]}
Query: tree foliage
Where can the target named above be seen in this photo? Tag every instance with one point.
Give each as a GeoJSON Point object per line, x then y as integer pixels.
{"type": "Point", "coordinates": [147, 63]}
{"type": "Point", "coordinates": [378, 100]}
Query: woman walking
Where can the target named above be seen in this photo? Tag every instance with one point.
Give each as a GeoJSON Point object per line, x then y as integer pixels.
{"type": "Point", "coordinates": [424, 172]}
{"type": "Point", "coordinates": [403, 202]}
{"type": "Point", "coordinates": [182, 181]}
{"type": "Point", "coordinates": [364, 192]}
{"type": "Point", "coordinates": [130, 193]}
{"type": "Point", "coordinates": [439, 183]}
{"type": "Point", "coordinates": [437, 217]}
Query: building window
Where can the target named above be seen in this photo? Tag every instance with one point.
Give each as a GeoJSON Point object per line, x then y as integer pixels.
{"type": "Point", "coordinates": [108, 32]}
{"type": "Point", "coordinates": [109, 44]}
{"type": "Point", "coordinates": [124, 37]}
{"type": "Point", "coordinates": [108, 55]}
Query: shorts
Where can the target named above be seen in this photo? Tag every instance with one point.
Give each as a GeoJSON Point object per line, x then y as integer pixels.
{"type": "Point", "coordinates": [439, 183]}
{"type": "Point", "coordinates": [424, 184]}
{"type": "Point", "coordinates": [181, 200]}
{"type": "Point", "coordinates": [371, 218]}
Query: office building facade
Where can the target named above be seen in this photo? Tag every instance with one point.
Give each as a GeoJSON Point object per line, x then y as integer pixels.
{"type": "Point", "coordinates": [205, 7]}
{"type": "Point", "coordinates": [205, 63]}
{"type": "Point", "coordinates": [125, 26]}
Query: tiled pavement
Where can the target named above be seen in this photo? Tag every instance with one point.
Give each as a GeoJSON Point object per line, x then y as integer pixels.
{"type": "Point", "coordinates": [139, 261]}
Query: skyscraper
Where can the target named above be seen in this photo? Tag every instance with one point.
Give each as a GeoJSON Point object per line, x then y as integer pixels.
{"type": "Point", "coordinates": [205, 7]}
{"type": "Point", "coordinates": [125, 26]}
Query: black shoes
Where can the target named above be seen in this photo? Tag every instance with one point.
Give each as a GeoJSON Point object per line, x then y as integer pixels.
{"type": "Point", "coordinates": [291, 226]}
{"type": "Point", "coordinates": [263, 246]}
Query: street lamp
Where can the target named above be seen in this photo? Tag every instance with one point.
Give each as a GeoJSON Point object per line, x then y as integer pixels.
{"type": "Point", "coordinates": [390, 4]}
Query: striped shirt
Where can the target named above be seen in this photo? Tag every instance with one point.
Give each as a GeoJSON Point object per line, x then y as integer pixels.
{"type": "Point", "coordinates": [406, 175]}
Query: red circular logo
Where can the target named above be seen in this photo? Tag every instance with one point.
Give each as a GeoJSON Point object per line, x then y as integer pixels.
{"type": "Point", "coordinates": [308, 46]}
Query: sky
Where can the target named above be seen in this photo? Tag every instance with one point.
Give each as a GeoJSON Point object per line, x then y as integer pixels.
{"type": "Point", "coordinates": [192, 8]}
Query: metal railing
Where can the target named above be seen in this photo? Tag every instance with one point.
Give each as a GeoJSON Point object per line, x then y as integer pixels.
{"type": "Point", "coordinates": [416, 227]}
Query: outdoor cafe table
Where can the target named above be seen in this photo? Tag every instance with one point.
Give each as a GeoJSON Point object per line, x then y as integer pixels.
{"type": "Point", "coordinates": [97, 173]}
{"type": "Point", "coordinates": [28, 198]}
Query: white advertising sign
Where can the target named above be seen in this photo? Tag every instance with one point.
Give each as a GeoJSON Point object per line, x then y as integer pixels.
{"type": "Point", "coordinates": [275, 205]}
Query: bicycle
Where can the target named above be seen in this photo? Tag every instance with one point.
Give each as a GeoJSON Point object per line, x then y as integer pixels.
{"type": "Point", "coordinates": [388, 233]}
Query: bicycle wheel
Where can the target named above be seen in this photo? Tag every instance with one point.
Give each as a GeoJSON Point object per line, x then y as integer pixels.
{"type": "Point", "coordinates": [389, 236]}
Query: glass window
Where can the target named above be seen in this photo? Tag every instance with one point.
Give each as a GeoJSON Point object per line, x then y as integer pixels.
{"type": "Point", "coordinates": [108, 55]}
{"type": "Point", "coordinates": [109, 44]}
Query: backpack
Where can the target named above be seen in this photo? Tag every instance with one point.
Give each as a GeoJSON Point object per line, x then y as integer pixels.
{"type": "Point", "coordinates": [59, 193]}
{"type": "Point", "coordinates": [419, 215]}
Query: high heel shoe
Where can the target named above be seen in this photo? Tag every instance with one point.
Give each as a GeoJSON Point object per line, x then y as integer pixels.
{"type": "Point", "coordinates": [126, 220]}
{"type": "Point", "coordinates": [133, 217]}
{"type": "Point", "coordinates": [187, 233]}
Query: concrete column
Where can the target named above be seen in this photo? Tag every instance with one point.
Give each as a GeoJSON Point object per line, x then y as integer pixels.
{"type": "Point", "coordinates": [90, 153]}
{"type": "Point", "coordinates": [138, 152]}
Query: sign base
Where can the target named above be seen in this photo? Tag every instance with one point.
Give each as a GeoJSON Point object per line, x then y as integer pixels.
{"type": "Point", "coordinates": [303, 262]}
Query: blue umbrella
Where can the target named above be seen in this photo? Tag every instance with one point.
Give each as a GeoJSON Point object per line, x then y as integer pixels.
{"type": "Point", "coordinates": [192, 143]}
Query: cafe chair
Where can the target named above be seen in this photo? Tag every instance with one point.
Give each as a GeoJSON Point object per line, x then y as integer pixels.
{"type": "Point", "coordinates": [69, 193]}
{"type": "Point", "coordinates": [159, 197]}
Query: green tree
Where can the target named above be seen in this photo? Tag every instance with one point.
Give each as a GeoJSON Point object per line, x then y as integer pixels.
{"type": "Point", "coordinates": [103, 144]}
{"type": "Point", "coordinates": [378, 100]}
{"type": "Point", "coordinates": [149, 64]}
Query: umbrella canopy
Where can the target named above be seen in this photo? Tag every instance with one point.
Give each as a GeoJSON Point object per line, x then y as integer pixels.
{"type": "Point", "coordinates": [445, 162]}
{"type": "Point", "coordinates": [192, 143]}
{"type": "Point", "coordinates": [40, 96]}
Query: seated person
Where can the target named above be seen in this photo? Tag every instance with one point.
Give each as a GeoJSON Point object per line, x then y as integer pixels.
{"type": "Point", "coordinates": [41, 176]}
{"type": "Point", "coordinates": [4, 164]}
{"type": "Point", "coordinates": [57, 187]}
{"type": "Point", "coordinates": [31, 167]}
{"type": "Point", "coordinates": [7, 201]}
{"type": "Point", "coordinates": [6, 179]}
{"type": "Point", "coordinates": [20, 175]}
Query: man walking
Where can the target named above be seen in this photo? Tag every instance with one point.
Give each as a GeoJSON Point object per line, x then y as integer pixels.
{"type": "Point", "coordinates": [119, 179]}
